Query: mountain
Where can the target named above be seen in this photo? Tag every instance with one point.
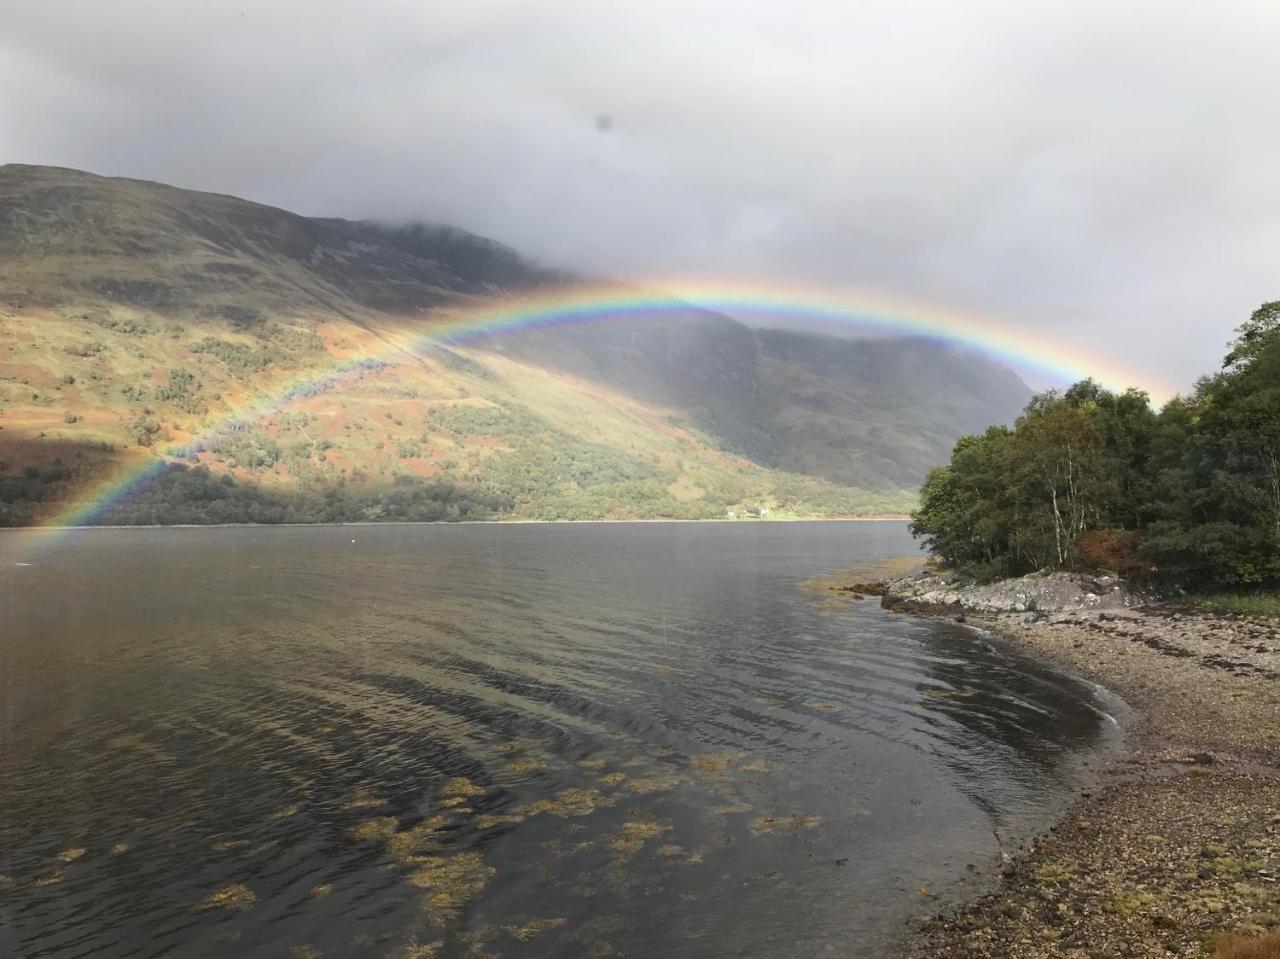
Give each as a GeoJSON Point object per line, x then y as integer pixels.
{"type": "Point", "coordinates": [282, 364]}
{"type": "Point", "coordinates": [872, 413]}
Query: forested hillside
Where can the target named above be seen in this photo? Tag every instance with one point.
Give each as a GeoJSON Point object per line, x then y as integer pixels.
{"type": "Point", "coordinates": [1188, 495]}
{"type": "Point", "coordinates": [281, 366]}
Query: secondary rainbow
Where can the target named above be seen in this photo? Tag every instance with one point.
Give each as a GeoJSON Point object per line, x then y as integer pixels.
{"type": "Point", "coordinates": [1053, 358]}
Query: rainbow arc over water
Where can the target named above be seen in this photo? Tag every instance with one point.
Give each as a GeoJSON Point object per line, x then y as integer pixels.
{"type": "Point", "coordinates": [1054, 358]}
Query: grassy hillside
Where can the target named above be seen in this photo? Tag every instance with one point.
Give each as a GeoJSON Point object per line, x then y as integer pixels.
{"type": "Point", "coordinates": [139, 323]}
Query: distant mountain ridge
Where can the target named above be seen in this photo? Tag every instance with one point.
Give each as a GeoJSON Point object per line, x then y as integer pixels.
{"type": "Point", "coordinates": [136, 317]}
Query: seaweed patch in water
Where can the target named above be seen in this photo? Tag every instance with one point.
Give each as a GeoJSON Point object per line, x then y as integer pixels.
{"type": "Point", "coordinates": [533, 927]}
{"type": "Point", "coordinates": [452, 880]}
{"type": "Point", "coordinates": [476, 938]}
{"type": "Point", "coordinates": [379, 828]}
{"type": "Point", "coordinates": [593, 929]}
{"type": "Point", "coordinates": [411, 841]}
{"type": "Point", "coordinates": [659, 782]}
{"type": "Point", "coordinates": [363, 799]}
{"type": "Point", "coordinates": [572, 802]}
{"type": "Point", "coordinates": [423, 950]}
{"type": "Point", "coordinates": [71, 855]}
{"type": "Point", "coordinates": [461, 787]}
{"type": "Point", "coordinates": [320, 890]}
{"type": "Point", "coordinates": [635, 834]}
{"type": "Point", "coordinates": [235, 896]}
{"type": "Point", "coordinates": [792, 822]}
{"type": "Point", "coordinates": [524, 765]}
{"type": "Point", "coordinates": [132, 741]}
{"type": "Point", "coordinates": [612, 779]}
{"type": "Point", "coordinates": [713, 763]}
{"type": "Point", "coordinates": [119, 847]}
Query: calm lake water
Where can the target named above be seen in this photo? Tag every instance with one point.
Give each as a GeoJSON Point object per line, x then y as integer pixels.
{"type": "Point", "coordinates": [407, 741]}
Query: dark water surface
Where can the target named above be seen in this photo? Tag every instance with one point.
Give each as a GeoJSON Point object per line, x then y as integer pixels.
{"type": "Point", "coordinates": [596, 740]}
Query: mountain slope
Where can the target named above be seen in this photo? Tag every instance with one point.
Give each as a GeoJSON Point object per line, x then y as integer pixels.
{"type": "Point", "coordinates": [870, 413]}
{"type": "Point", "coordinates": [141, 322]}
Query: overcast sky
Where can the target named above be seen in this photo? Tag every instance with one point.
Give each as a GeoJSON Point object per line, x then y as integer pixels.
{"type": "Point", "coordinates": [1107, 169]}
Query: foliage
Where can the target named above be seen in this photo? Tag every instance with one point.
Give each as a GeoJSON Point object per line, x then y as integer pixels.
{"type": "Point", "coordinates": [34, 485]}
{"type": "Point", "coordinates": [1253, 335]}
{"type": "Point", "coordinates": [1117, 550]}
{"type": "Point", "coordinates": [144, 429]}
{"type": "Point", "coordinates": [127, 327]}
{"type": "Point", "coordinates": [248, 449]}
{"type": "Point", "coordinates": [182, 390]}
{"type": "Point", "coordinates": [194, 495]}
{"type": "Point", "coordinates": [238, 357]}
{"type": "Point", "coordinates": [91, 348]}
{"type": "Point", "coordinates": [1091, 478]}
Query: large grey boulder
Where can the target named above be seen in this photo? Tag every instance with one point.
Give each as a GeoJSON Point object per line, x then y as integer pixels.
{"type": "Point", "coordinates": [1048, 592]}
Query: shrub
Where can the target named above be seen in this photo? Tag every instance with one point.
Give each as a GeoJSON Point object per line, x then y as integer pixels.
{"type": "Point", "coordinates": [91, 348]}
{"type": "Point", "coordinates": [144, 430]}
{"type": "Point", "coordinates": [240, 317]}
{"type": "Point", "coordinates": [182, 391]}
{"type": "Point", "coordinates": [1115, 550]}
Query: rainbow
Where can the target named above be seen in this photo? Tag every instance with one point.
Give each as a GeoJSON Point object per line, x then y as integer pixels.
{"type": "Point", "coordinates": [836, 310]}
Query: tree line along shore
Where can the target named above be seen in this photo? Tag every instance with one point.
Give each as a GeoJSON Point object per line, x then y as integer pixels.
{"type": "Point", "coordinates": [1187, 497]}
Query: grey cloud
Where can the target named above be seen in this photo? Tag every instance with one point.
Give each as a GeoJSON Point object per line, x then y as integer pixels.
{"type": "Point", "coordinates": [1102, 169]}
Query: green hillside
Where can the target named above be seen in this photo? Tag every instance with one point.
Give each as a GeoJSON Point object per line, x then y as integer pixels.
{"type": "Point", "coordinates": [139, 322]}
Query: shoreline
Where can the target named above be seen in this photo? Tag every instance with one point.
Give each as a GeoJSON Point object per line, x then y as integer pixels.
{"type": "Point", "coordinates": [873, 518]}
{"type": "Point", "coordinates": [1177, 839]}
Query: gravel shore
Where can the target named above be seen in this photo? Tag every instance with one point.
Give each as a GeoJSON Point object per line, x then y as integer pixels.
{"type": "Point", "coordinates": [1180, 843]}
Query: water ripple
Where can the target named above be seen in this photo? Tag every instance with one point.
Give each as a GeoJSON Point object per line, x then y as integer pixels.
{"type": "Point", "coordinates": [525, 740]}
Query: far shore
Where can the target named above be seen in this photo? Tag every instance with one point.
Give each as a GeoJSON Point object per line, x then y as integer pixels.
{"type": "Point", "coordinates": [1179, 840]}
{"type": "Point", "coordinates": [875, 518]}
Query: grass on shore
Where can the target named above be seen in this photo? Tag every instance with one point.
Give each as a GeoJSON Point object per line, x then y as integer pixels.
{"type": "Point", "coordinates": [1256, 947]}
{"type": "Point", "coordinates": [1255, 603]}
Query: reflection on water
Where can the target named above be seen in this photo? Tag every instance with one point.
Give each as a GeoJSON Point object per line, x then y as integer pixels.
{"type": "Point", "coordinates": [495, 741]}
